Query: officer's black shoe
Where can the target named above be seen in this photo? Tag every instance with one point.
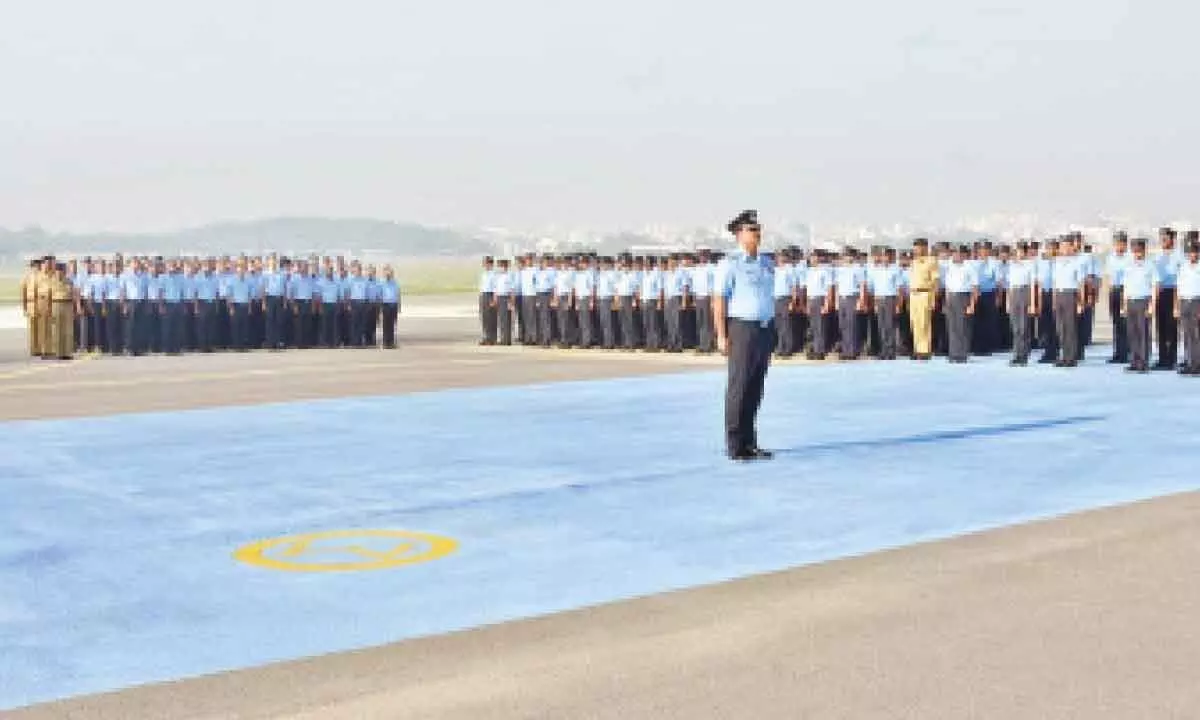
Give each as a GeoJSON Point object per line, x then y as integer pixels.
{"type": "Point", "coordinates": [1136, 369]}
{"type": "Point", "coordinates": [1047, 361]}
{"type": "Point", "coordinates": [1114, 361]}
{"type": "Point", "coordinates": [1160, 366]}
{"type": "Point", "coordinates": [761, 454]}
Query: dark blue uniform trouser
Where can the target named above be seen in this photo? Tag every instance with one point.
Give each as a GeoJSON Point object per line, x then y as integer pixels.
{"type": "Point", "coordinates": [239, 326]}
{"type": "Point", "coordinates": [1189, 321]}
{"type": "Point", "coordinates": [171, 327]}
{"type": "Point", "coordinates": [1120, 328]}
{"type": "Point", "coordinates": [1047, 330]}
{"type": "Point", "coordinates": [388, 313]}
{"type": "Point", "coordinates": [750, 346]}
{"type": "Point", "coordinates": [205, 325]}
{"type": "Point", "coordinates": [135, 320]}
{"type": "Point", "coordinates": [1137, 329]}
{"type": "Point", "coordinates": [704, 324]}
{"type": "Point", "coordinates": [302, 315]}
{"type": "Point", "coordinates": [114, 337]}
{"type": "Point", "coordinates": [848, 325]}
{"type": "Point", "coordinates": [274, 329]}
{"type": "Point", "coordinates": [1166, 328]}
{"type": "Point", "coordinates": [1066, 319]}
{"type": "Point", "coordinates": [329, 325]}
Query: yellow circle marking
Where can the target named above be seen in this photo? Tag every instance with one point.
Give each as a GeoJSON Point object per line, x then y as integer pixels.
{"type": "Point", "coordinates": [311, 553]}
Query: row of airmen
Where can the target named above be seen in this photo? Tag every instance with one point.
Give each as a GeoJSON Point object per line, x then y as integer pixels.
{"type": "Point", "coordinates": [150, 305]}
{"type": "Point", "coordinates": [984, 299]}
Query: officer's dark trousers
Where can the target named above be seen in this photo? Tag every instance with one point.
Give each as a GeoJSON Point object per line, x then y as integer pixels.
{"type": "Point", "coordinates": [566, 329]}
{"type": "Point", "coordinates": [885, 318]}
{"type": "Point", "coordinates": [96, 335]}
{"type": "Point", "coordinates": [358, 322]}
{"type": "Point", "coordinates": [151, 327]}
{"type": "Point", "coordinates": [543, 317]}
{"type": "Point", "coordinates": [1189, 323]}
{"type": "Point", "coordinates": [1048, 336]}
{"type": "Point", "coordinates": [135, 322]}
{"type": "Point", "coordinates": [239, 326]}
{"type": "Point", "coordinates": [82, 327]}
{"type": "Point", "coordinates": [586, 320]}
{"type": "Point", "coordinates": [1166, 328]}
{"type": "Point", "coordinates": [1066, 324]}
{"type": "Point", "coordinates": [629, 324]}
{"type": "Point", "coordinates": [904, 338]}
{"type": "Point", "coordinates": [653, 332]}
{"type": "Point", "coordinates": [302, 322]}
{"type": "Point", "coordinates": [274, 323]}
{"type": "Point", "coordinates": [504, 319]}
{"type": "Point", "coordinates": [329, 325]}
{"type": "Point", "coordinates": [785, 340]}
{"type": "Point", "coordinates": [1120, 328]}
{"type": "Point", "coordinates": [388, 313]}
{"type": "Point", "coordinates": [750, 346]}
{"type": "Point", "coordinates": [1021, 323]}
{"type": "Point", "coordinates": [848, 326]}
{"type": "Point", "coordinates": [487, 320]}
{"type": "Point", "coordinates": [1137, 330]}
{"type": "Point", "coordinates": [608, 323]}
{"type": "Point", "coordinates": [820, 325]}
{"type": "Point", "coordinates": [958, 328]}
{"type": "Point", "coordinates": [983, 339]}
{"type": "Point", "coordinates": [205, 321]}
{"type": "Point", "coordinates": [674, 318]}
{"type": "Point", "coordinates": [940, 338]}
{"type": "Point", "coordinates": [529, 325]}
{"type": "Point", "coordinates": [114, 334]}
{"type": "Point", "coordinates": [704, 325]}
{"type": "Point", "coordinates": [171, 327]}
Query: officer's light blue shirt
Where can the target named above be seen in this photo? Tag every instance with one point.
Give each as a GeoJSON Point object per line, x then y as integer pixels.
{"type": "Point", "coordinates": [849, 280]}
{"type": "Point", "coordinates": [387, 291]}
{"type": "Point", "coordinates": [677, 282]}
{"type": "Point", "coordinates": [1021, 273]}
{"type": "Point", "coordinates": [818, 280]}
{"type": "Point", "coordinates": [1189, 280]}
{"type": "Point", "coordinates": [1140, 278]}
{"type": "Point", "coordinates": [241, 289]}
{"type": "Point", "coordinates": [564, 282]}
{"type": "Point", "coordinates": [747, 283]}
{"type": "Point", "coordinates": [503, 283]}
{"type": "Point", "coordinates": [207, 287]}
{"type": "Point", "coordinates": [543, 280]}
{"type": "Point", "coordinates": [985, 272]}
{"type": "Point", "coordinates": [528, 281]}
{"type": "Point", "coordinates": [112, 287]}
{"type": "Point", "coordinates": [627, 283]}
{"type": "Point", "coordinates": [300, 286]}
{"type": "Point", "coordinates": [883, 280]}
{"type": "Point", "coordinates": [154, 287]}
{"type": "Point", "coordinates": [942, 265]}
{"type": "Point", "coordinates": [904, 275]}
{"type": "Point", "coordinates": [961, 277]}
{"type": "Point", "coordinates": [356, 288]}
{"type": "Point", "coordinates": [1068, 273]}
{"type": "Point", "coordinates": [785, 281]}
{"type": "Point", "coordinates": [1044, 272]}
{"type": "Point", "coordinates": [585, 283]}
{"type": "Point", "coordinates": [652, 284]}
{"type": "Point", "coordinates": [330, 290]}
{"type": "Point", "coordinates": [274, 284]}
{"type": "Point", "coordinates": [1003, 268]}
{"type": "Point", "coordinates": [95, 288]}
{"type": "Point", "coordinates": [172, 288]}
{"type": "Point", "coordinates": [133, 285]}
{"type": "Point", "coordinates": [702, 280]}
{"type": "Point", "coordinates": [799, 276]}
{"type": "Point", "coordinates": [1114, 268]}
{"type": "Point", "coordinates": [606, 284]}
{"type": "Point", "coordinates": [487, 281]}
{"type": "Point", "coordinates": [1168, 268]}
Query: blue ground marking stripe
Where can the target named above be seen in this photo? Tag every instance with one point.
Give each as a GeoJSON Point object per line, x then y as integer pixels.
{"type": "Point", "coordinates": [116, 569]}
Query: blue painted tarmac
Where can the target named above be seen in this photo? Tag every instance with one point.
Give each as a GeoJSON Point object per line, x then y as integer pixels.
{"type": "Point", "coordinates": [116, 563]}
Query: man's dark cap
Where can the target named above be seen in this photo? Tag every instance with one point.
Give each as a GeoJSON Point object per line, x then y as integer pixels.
{"type": "Point", "coordinates": [1034, 244]}
{"type": "Point", "coordinates": [920, 242]}
{"type": "Point", "coordinates": [1193, 246]}
{"type": "Point", "coordinates": [1087, 248]}
{"type": "Point", "coordinates": [964, 248]}
{"type": "Point", "coordinates": [1139, 243]}
{"type": "Point", "coordinates": [1120, 236]}
{"type": "Point", "coordinates": [745, 217]}
{"type": "Point", "coordinates": [504, 261]}
{"type": "Point", "coordinates": [487, 258]}
{"type": "Point", "coordinates": [1192, 235]}
{"type": "Point", "coordinates": [1167, 231]}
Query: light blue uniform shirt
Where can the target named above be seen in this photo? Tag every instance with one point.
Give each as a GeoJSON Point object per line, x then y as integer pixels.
{"type": "Point", "coordinates": [487, 281]}
{"type": "Point", "coordinates": [112, 287]}
{"type": "Point", "coordinates": [206, 287]}
{"type": "Point", "coordinates": [564, 282]}
{"type": "Point", "coordinates": [678, 281]}
{"type": "Point", "coordinates": [1114, 268]}
{"type": "Point", "coordinates": [240, 290]}
{"type": "Point", "coordinates": [357, 288]}
{"type": "Point", "coordinates": [172, 288]}
{"type": "Point", "coordinates": [1140, 278]}
{"type": "Point", "coordinates": [904, 275]}
{"type": "Point", "coordinates": [799, 276]}
{"type": "Point", "coordinates": [884, 280]}
{"type": "Point", "coordinates": [606, 284]}
{"type": "Point", "coordinates": [503, 284]}
{"type": "Point", "coordinates": [529, 281]}
{"type": "Point", "coordinates": [300, 286]}
{"type": "Point", "coordinates": [652, 284]}
{"type": "Point", "coordinates": [985, 271]}
{"type": "Point", "coordinates": [330, 290]}
{"type": "Point", "coordinates": [134, 285]}
{"type": "Point", "coordinates": [389, 292]}
{"type": "Point", "coordinates": [818, 280]}
{"type": "Point", "coordinates": [585, 283]}
{"type": "Point", "coordinates": [1189, 280]}
{"type": "Point", "coordinates": [543, 280]}
{"type": "Point", "coordinates": [961, 277]}
{"type": "Point", "coordinates": [747, 283]}
{"type": "Point", "coordinates": [1168, 268]}
{"type": "Point", "coordinates": [785, 281]}
{"type": "Point", "coordinates": [942, 265]}
{"type": "Point", "coordinates": [154, 287]}
{"type": "Point", "coordinates": [627, 283]}
{"type": "Point", "coordinates": [223, 280]}
{"type": "Point", "coordinates": [702, 280]}
{"type": "Point", "coordinates": [274, 284]}
{"type": "Point", "coordinates": [1068, 273]}
{"type": "Point", "coordinates": [94, 289]}
{"type": "Point", "coordinates": [1021, 273]}
{"type": "Point", "coordinates": [849, 279]}
{"type": "Point", "coordinates": [1044, 272]}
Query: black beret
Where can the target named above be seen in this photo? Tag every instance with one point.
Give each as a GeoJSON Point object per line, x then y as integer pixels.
{"type": "Point", "coordinates": [1120, 236]}
{"type": "Point", "coordinates": [745, 217]}
{"type": "Point", "coordinates": [964, 248]}
{"type": "Point", "coordinates": [920, 242]}
{"type": "Point", "coordinates": [1087, 248]}
{"type": "Point", "coordinates": [1193, 246]}
{"type": "Point", "coordinates": [1167, 231]}
{"type": "Point", "coordinates": [1139, 242]}
{"type": "Point", "coordinates": [487, 258]}
{"type": "Point", "coordinates": [1192, 235]}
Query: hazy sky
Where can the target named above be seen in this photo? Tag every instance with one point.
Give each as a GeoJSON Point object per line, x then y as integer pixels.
{"type": "Point", "coordinates": [145, 114]}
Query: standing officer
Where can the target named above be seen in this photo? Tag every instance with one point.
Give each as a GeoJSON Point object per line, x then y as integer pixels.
{"type": "Point", "coordinates": [1187, 308]}
{"type": "Point", "coordinates": [1069, 279]}
{"type": "Point", "coordinates": [543, 311]}
{"type": "Point", "coordinates": [962, 298]}
{"type": "Point", "coordinates": [487, 310]}
{"type": "Point", "coordinates": [675, 292]}
{"type": "Point", "coordinates": [1166, 328]}
{"type": "Point", "coordinates": [851, 297]}
{"type": "Point", "coordinates": [389, 307]}
{"type": "Point", "coordinates": [329, 290]}
{"type": "Point", "coordinates": [207, 289]}
{"type": "Point", "coordinates": [172, 311]}
{"type": "Point", "coordinates": [240, 293]}
{"type": "Point", "coordinates": [114, 332]}
{"type": "Point", "coordinates": [819, 292]}
{"type": "Point", "coordinates": [883, 282]}
{"type": "Point", "coordinates": [1114, 272]}
{"type": "Point", "coordinates": [743, 309]}
{"type": "Point", "coordinates": [984, 336]}
{"type": "Point", "coordinates": [61, 343]}
{"type": "Point", "coordinates": [93, 306]}
{"type": "Point", "coordinates": [29, 294]}
{"type": "Point", "coordinates": [564, 285]}
{"type": "Point", "coordinates": [1022, 303]}
{"type": "Point", "coordinates": [606, 290]}
{"type": "Point", "coordinates": [133, 298]}
{"type": "Point", "coordinates": [585, 301]}
{"type": "Point", "coordinates": [784, 292]}
{"type": "Point", "coordinates": [922, 296]}
{"type": "Point", "coordinates": [274, 291]}
{"type": "Point", "coordinates": [300, 288]}
{"type": "Point", "coordinates": [1139, 293]}
{"type": "Point", "coordinates": [1047, 330]}
{"type": "Point", "coordinates": [503, 302]}
{"type": "Point", "coordinates": [651, 295]}
{"type": "Point", "coordinates": [702, 280]}
{"type": "Point", "coordinates": [627, 285]}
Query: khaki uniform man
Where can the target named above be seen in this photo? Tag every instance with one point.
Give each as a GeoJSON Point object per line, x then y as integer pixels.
{"type": "Point", "coordinates": [45, 309]}
{"type": "Point", "coordinates": [62, 324]}
{"type": "Point", "coordinates": [29, 293]}
{"type": "Point", "coordinates": [923, 285]}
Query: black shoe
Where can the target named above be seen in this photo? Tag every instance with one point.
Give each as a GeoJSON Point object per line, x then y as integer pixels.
{"type": "Point", "coordinates": [1060, 363]}
{"type": "Point", "coordinates": [1047, 361]}
{"type": "Point", "coordinates": [761, 454]}
{"type": "Point", "coordinates": [1116, 361]}
{"type": "Point", "coordinates": [1070, 364]}
{"type": "Point", "coordinates": [1140, 369]}
{"type": "Point", "coordinates": [1160, 367]}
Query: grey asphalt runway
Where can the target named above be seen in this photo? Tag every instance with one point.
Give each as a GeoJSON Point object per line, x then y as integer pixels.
{"type": "Point", "coordinates": [1088, 616]}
